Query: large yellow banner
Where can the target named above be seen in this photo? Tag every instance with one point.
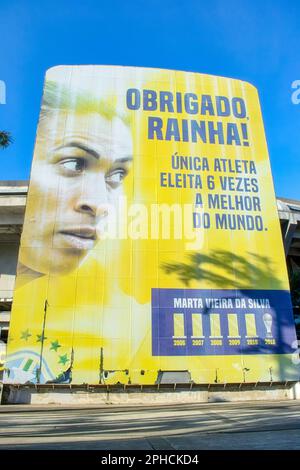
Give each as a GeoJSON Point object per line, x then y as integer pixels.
{"type": "Point", "coordinates": [151, 240]}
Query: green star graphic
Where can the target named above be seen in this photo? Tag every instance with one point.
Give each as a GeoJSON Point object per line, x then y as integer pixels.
{"type": "Point", "coordinates": [25, 335]}
{"type": "Point", "coordinates": [41, 338]}
{"type": "Point", "coordinates": [55, 345]}
{"type": "Point", "coordinates": [63, 359]}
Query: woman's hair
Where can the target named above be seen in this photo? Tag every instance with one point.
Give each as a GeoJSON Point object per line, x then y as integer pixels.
{"type": "Point", "coordinates": [57, 97]}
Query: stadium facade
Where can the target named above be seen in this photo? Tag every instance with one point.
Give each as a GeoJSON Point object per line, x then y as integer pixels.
{"type": "Point", "coordinates": [13, 196]}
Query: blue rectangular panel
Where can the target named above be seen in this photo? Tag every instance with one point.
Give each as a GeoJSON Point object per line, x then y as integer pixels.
{"type": "Point", "coordinates": [265, 323]}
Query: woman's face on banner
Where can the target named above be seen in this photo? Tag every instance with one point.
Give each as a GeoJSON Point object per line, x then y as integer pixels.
{"type": "Point", "coordinates": [80, 163]}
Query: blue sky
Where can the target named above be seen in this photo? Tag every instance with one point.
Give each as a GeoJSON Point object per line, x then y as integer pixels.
{"type": "Point", "coordinates": [250, 40]}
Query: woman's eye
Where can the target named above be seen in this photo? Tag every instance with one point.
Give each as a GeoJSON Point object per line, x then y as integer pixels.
{"type": "Point", "coordinates": [115, 177]}
{"type": "Point", "coordinates": [73, 165]}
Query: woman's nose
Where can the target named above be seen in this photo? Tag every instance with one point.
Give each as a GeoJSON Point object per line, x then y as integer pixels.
{"type": "Point", "coordinates": [93, 199]}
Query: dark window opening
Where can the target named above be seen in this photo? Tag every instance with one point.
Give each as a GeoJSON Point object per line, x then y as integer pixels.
{"type": "Point", "coordinates": [3, 335]}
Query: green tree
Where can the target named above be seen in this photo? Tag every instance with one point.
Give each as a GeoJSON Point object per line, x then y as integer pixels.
{"type": "Point", "coordinates": [295, 295]}
{"type": "Point", "coordinates": [5, 139]}
{"type": "Point", "coordinates": [295, 289]}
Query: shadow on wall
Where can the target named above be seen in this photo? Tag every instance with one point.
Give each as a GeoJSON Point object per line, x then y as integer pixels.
{"type": "Point", "coordinates": [226, 270]}
{"type": "Point", "coordinates": [238, 270]}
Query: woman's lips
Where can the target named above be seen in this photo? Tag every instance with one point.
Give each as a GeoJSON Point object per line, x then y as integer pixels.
{"type": "Point", "coordinates": [80, 238]}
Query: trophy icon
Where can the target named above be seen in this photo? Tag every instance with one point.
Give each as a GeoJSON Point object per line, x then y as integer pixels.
{"type": "Point", "coordinates": [267, 319]}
